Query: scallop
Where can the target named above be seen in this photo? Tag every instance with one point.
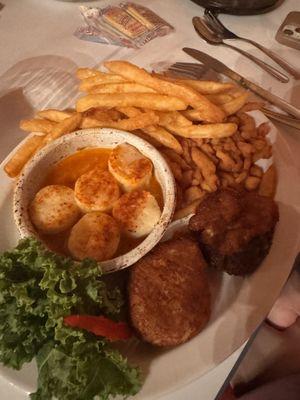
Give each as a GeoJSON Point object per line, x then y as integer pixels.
{"type": "Point", "coordinates": [130, 168]}
{"type": "Point", "coordinates": [137, 212]}
{"type": "Point", "coordinates": [96, 235]}
{"type": "Point", "coordinates": [54, 209]}
{"type": "Point", "coordinates": [97, 190]}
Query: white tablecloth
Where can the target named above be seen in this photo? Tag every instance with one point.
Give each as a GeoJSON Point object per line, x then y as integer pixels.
{"type": "Point", "coordinates": [40, 32]}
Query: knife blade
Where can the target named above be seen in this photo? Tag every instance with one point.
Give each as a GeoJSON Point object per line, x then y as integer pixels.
{"type": "Point", "coordinates": [221, 68]}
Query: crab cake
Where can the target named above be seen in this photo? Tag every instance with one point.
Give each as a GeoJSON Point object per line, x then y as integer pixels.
{"type": "Point", "coordinates": [97, 190]}
{"type": "Point", "coordinates": [130, 168]}
{"type": "Point", "coordinates": [54, 209]}
{"type": "Point", "coordinates": [138, 212]}
{"type": "Point", "coordinates": [169, 296]}
{"type": "Point", "coordinates": [235, 229]}
{"type": "Point", "coordinates": [96, 235]}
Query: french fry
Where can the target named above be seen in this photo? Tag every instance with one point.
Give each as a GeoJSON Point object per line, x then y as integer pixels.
{"type": "Point", "coordinates": [192, 115]}
{"type": "Point", "coordinates": [104, 114]}
{"type": "Point", "coordinates": [157, 133]}
{"type": "Point", "coordinates": [203, 131]}
{"type": "Point", "coordinates": [68, 125]}
{"type": "Point", "coordinates": [219, 99]}
{"type": "Point", "coordinates": [54, 115]}
{"type": "Point", "coordinates": [90, 122]}
{"type": "Point", "coordinates": [83, 73]}
{"type": "Point", "coordinates": [173, 118]}
{"type": "Point", "coordinates": [188, 210]}
{"type": "Point", "coordinates": [209, 111]}
{"type": "Point", "coordinates": [163, 137]}
{"type": "Point", "coordinates": [126, 87]}
{"type": "Point", "coordinates": [152, 101]}
{"type": "Point", "coordinates": [129, 111]}
{"type": "Point", "coordinates": [206, 166]}
{"type": "Point", "coordinates": [127, 124]}
{"type": "Point", "coordinates": [235, 104]}
{"type": "Point", "coordinates": [15, 165]}
{"type": "Point", "coordinates": [37, 125]}
{"type": "Point", "coordinates": [204, 87]}
{"type": "Point", "coordinates": [236, 92]}
{"type": "Point", "coordinates": [268, 182]}
{"type": "Point", "coordinates": [87, 83]}
{"type": "Point", "coordinates": [207, 87]}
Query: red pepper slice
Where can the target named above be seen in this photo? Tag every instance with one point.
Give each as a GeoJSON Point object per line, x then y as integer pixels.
{"type": "Point", "coordinates": [100, 326]}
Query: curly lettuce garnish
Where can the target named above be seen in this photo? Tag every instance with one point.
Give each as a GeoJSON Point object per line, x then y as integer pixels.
{"type": "Point", "coordinates": [37, 289]}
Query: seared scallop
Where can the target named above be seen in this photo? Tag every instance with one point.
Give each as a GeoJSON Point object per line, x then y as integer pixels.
{"type": "Point", "coordinates": [96, 235]}
{"type": "Point", "coordinates": [97, 190]}
{"type": "Point", "coordinates": [137, 212]}
{"type": "Point", "coordinates": [54, 209]}
{"type": "Point", "coordinates": [130, 168]}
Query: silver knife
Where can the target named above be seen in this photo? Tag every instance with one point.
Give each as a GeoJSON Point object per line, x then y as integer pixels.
{"type": "Point", "coordinates": [221, 68]}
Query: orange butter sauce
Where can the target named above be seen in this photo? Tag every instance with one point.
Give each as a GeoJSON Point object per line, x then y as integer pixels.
{"type": "Point", "coordinates": [67, 171]}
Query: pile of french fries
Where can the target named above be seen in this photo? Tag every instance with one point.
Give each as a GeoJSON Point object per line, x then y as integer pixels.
{"type": "Point", "coordinates": [200, 127]}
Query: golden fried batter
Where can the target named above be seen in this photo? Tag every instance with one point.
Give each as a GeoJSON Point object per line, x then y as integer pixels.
{"type": "Point", "coordinates": [168, 293]}
{"type": "Point", "coordinates": [235, 229]}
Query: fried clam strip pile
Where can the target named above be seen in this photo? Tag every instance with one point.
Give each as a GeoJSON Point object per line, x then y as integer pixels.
{"type": "Point", "coordinates": [199, 126]}
{"type": "Point", "coordinates": [209, 164]}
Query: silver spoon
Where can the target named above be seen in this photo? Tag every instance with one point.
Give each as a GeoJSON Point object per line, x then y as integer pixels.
{"type": "Point", "coordinates": [224, 33]}
{"type": "Point", "coordinates": [210, 37]}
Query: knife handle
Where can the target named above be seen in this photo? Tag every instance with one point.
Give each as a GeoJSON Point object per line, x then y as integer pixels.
{"type": "Point", "coordinates": [277, 101]}
{"type": "Point", "coordinates": [268, 68]}
{"type": "Point", "coordinates": [280, 61]}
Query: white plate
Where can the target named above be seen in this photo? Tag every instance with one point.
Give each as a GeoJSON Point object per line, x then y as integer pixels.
{"type": "Point", "coordinates": [240, 304]}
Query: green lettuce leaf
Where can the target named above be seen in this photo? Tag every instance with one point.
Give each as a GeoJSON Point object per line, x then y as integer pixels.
{"type": "Point", "coordinates": [83, 368]}
{"type": "Point", "coordinates": [37, 289]}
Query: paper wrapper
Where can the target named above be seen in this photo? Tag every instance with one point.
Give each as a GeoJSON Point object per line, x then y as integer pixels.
{"type": "Point", "coordinates": [125, 25]}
